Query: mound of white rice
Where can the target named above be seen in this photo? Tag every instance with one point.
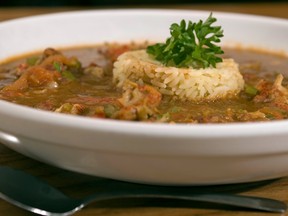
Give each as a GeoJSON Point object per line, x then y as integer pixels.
{"type": "Point", "coordinates": [181, 83]}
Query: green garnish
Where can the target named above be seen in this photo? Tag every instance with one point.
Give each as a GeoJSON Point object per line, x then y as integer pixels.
{"type": "Point", "coordinates": [191, 45]}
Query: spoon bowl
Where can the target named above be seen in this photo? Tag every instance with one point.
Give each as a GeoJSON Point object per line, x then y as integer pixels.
{"type": "Point", "coordinates": [32, 194]}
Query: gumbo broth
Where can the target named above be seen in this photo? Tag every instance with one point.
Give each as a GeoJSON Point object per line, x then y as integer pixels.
{"type": "Point", "coordinates": [79, 81]}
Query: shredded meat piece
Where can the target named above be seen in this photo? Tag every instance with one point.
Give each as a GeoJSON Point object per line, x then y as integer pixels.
{"type": "Point", "coordinates": [136, 94]}
{"type": "Point", "coordinates": [34, 77]}
{"type": "Point", "coordinates": [74, 109]}
{"type": "Point", "coordinates": [94, 100]}
{"type": "Point", "coordinates": [274, 94]}
{"type": "Point", "coordinates": [95, 71]}
{"type": "Point", "coordinates": [43, 74]}
{"type": "Point", "coordinates": [139, 102]}
{"type": "Point", "coordinates": [252, 116]}
{"type": "Point", "coordinates": [114, 49]}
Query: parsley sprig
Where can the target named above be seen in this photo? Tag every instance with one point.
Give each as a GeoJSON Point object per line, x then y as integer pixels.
{"type": "Point", "coordinates": [191, 45]}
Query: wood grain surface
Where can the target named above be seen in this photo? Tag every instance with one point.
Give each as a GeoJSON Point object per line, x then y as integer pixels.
{"type": "Point", "coordinates": [78, 185]}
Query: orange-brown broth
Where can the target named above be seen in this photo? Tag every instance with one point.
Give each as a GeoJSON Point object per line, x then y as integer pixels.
{"type": "Point", "coordinates": [261, 65]}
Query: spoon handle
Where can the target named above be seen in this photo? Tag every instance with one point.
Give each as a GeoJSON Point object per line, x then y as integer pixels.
{"type": "Point", "coordinates": [249, 202]}
{"type": "Point", "coordinates": [25, 191]}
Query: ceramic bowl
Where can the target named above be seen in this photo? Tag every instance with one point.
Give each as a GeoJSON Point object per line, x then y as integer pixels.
{"type": "Point", "coordinates": [141, 152]}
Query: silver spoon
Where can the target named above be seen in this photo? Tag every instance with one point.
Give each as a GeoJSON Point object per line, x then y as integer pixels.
{"type": "Point", "coordinates": [30, 193]}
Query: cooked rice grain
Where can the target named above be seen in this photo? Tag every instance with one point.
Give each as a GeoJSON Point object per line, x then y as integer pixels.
{"type": "Point", "coordinates": [182, 83]}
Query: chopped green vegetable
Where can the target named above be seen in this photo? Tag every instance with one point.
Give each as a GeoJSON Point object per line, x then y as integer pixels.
{"type": "Point", "coordinates": [191, 45]}
{"type": "Point", "coordinates": [251, 90]}
{"type": "Point", "coordinates": [163, 117]}
{"type": "Point", "coordinates": [75, 63]}
{"type": "Point", "coordinates": [175, 109]}
{"type": "Point", "coordinates": [32, 60]}
{"type": "Point", "coordinates": [68, 75]}
{"type": "Point", "coordinates": [65, 73]}
{"type": "Point", "coordinates": [57, 66]}
{"type": "Point", "coordinates": [109, 110]}
{"type": "Point", "coordinates": [269, 116]}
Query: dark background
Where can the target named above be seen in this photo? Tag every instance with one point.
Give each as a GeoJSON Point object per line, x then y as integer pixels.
{"type": "Point", "coordinates": [11, 3]}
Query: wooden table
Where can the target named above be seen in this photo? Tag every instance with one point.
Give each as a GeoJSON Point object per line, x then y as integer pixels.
{"type": "Point", "coordinates": [79, 185]}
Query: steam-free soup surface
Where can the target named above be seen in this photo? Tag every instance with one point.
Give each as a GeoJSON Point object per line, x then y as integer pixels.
{"type": "Point", "coordinates": [79, 81]}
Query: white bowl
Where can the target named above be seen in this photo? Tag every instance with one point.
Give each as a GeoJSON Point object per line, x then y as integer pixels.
{"type": "Point", "coordinates": [142, 152]}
